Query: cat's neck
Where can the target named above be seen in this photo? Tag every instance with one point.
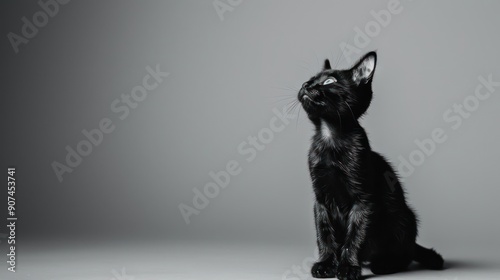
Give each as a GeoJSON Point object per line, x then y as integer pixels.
{"type": "Point", "coordinates": [333, 134]}
{"type": "Point", "coordinates": [336, 128]}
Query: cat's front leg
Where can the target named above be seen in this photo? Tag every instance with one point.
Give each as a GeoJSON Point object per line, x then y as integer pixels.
{"type": "Point", "coordinates": [326, 266]}
{"type": "Point", "coordinates": [349, 266]}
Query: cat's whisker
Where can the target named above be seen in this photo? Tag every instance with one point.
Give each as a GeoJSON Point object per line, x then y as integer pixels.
{"type": "Point", "coordinates": [291, 106]}
{"type": "Point", "coordinates": [282, 95]}
{"type": "Point", "coordinates": [353, 117]}
{"type": "Point", "coordinates": [308, 69]}
{"type": "Point", "coordinates": [281, 99]}
{"type": "Point", "coordinates": [340, 120]}
{"type": "Point", "coordinates": [296, 116]}
{"type": "Point", "coordinates": [287, 88]}
{"type": "Point", "coordinates": [317, 59]}
{"type": "Point", "coordinates": [276, 103]}
{"type": "Point", "coordinates": [295, 107]}
{"type": "Point", "coordinates": [339, 59]}
{"type": "Point", "coordinates": [307, 65]}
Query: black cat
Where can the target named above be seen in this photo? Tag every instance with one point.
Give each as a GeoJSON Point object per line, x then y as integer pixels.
{"type": "Point", "coordinates": [360, 210]}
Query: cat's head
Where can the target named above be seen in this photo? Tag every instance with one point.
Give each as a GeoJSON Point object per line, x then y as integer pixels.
{"type": "Point", "coordinates": [339, 94]}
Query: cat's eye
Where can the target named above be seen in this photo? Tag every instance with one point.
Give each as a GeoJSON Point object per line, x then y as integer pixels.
{"type": "Point", "coordinates": [329, 81]}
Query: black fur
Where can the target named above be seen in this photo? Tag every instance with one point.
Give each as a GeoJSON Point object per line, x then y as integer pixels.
{"type": "Point", "coordinates": [360, 210]}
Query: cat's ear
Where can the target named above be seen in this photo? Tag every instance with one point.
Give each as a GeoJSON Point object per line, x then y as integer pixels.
{"type": "Point", "coordinates": [326, 65]}
{"type": "Point", "coordinates": [362, 71]}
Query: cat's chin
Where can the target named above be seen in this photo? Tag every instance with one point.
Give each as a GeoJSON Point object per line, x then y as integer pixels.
{"type": "Point", "coordinates": [310, 107]}
{"type": "Point", "coordinates": [307, 107]}
{"type": "Point", "coordinates": [307, 102]}
{"type": "Point", "coordinates": [306, 98]}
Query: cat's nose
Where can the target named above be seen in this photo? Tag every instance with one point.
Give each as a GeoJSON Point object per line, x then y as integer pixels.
{"type": "Point", "coordinates": [304, 85]}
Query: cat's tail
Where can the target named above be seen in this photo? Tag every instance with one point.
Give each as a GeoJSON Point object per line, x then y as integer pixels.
{"type": "Point", "coordinates": [428, 258]}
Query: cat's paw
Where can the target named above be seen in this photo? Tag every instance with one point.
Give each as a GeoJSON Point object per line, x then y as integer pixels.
{"type": "Point", "coordinates": [324, 270]}
{"type": "Point", "coordinates": [348, 272]}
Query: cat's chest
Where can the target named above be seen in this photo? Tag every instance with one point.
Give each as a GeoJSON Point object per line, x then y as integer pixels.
{"type": "Point", "coordinates": [333, 174]}
{"type": "Point", "coordinates": [331, 149]}
{"type": "Point", "coordinates": [330, 184]}
{"type": "Point", "coordinates": [323, 156]}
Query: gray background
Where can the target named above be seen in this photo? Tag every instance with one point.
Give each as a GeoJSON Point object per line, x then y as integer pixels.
{"type": "Point", "coordinates": [225, 79]}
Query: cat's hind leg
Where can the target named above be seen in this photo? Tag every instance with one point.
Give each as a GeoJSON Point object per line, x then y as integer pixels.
{"type": "Point", "coordinates": [390, 263]}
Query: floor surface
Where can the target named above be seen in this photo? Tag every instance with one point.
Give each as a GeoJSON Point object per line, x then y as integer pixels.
{"type": "Point", "coordinates": [208, 261]}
